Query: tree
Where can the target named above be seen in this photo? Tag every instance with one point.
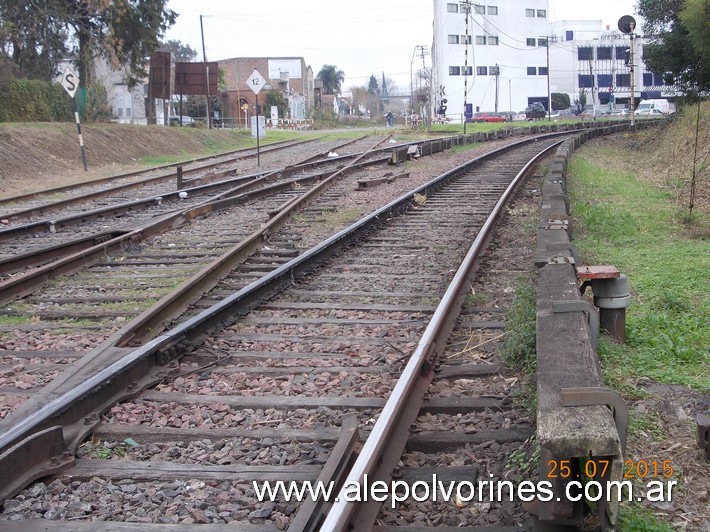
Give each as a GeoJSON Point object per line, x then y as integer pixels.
{"type": "Point", "coordinates": [179, 52]}
{"type": "Point", "coordinates": [276, 98]}
{"type": "Point", "coordinates": [32, 38]}
{"type": "Point", "coordinates": [676, 47]}
{"type": "Point", "coordinates": [372, 87]}
{"type": "Point", "coordinates": [332, 79]}
{"type": "Point", "coordinates": [124, 32]}
{"type": "Point", "coordinates": [560, 100]}
{"type": "Point", "coordinates": [695, 16]}
{"type": "Point", "coordinates": [35, 34]}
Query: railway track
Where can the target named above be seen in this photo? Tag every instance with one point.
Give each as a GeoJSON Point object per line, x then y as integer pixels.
{"type": "Point", "coordinates": [276, 375]}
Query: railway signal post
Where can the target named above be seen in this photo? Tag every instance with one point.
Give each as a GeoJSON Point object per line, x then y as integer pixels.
{"type": "Point", "coordinates": [70, 82]}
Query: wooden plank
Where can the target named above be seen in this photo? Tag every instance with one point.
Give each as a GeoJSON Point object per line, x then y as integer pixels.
{"type": "Point", "coordinates": [168, 471]}
{"type": "Point", "coordinates": [298, 305]}
{"type": "Point", "coordinates": [263, 402]}
{"type": "Point", "coordinates": [431, 442]}
{"type": "Point", "coordinates": [143, 434]}
{"type": "Point", "coordinates": [464, 371]}
{"type": "Point", "coordinates": [43, 525]}
{"type": "Point", "coordinates": [566, 359]}
{"type": "Point", "coordinates": [411, 475]}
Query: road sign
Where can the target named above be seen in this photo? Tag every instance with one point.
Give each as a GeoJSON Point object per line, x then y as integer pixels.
{"type": "Point", "coordinates": [70, 81]}
{"type": "Point", "coordinates": [256, 81]}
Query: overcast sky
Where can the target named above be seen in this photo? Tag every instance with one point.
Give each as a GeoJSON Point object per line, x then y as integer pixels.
{"type": "Point", "coordinates": [361, 38]}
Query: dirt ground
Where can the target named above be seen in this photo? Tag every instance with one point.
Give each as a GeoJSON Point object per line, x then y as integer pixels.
{"type": "Point", "coordinates": [42, 156]}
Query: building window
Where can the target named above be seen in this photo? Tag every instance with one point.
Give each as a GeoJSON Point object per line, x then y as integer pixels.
{"type": "Point", "coordinates": [585, 53]}
{"type": "Point", "coordinates": [529, 12]}
{"type": "Point", "coordinates": [542, 42]}
{"type": "Point", "coordinates": [492, 10]}
{"type": "Point", "coordinates": [647, 79]}
{"type": "Point", "coordinates": [120, 112]}
{"type": "Point", "coordinates": [479, 10]}
{"type": "Point", "coordinates": [604, 80]}
{"type": "Point", "coordinates": [658, 80]}
{"type": "Point", "coordinates": [480, 39]}
{"type": "Point", "coordinates": [493, 41]}
{"type": "Point", "coordinates": [623, 80]}
{"type": "Point", "coordinates": [494, 70]}
{"type": "Point", "coordinates": [452, 8]}
{"type": "Point", "coordinates": [541, 13]}
{"type": "Point", "coordinates": [622, 52]}
{"type": "Point", "coordinates": [569, 35]}
{"type": "Point", "coordinates": [467, 70]}
{"type": "Point", "coordinates": [530, 41]}
{"type": "Point", "coordinates": [482, 71]}
{"type": "Point", "coordinates": [465, 39]}
{"type": "Point", "coordinates": [453, 39]}
{"type": "Point", "coordinates": [454, 71]}
{"type": "Point", "coordinates": [604, 52]}
{"type": "Point", "coordinates": [542, 71]}
{"type": "Point", "coordinates": [586, 81]}
{"type": "Point", "coordinates": [532, 71]}
{"type": "Point", "coordinates": [128, 112]}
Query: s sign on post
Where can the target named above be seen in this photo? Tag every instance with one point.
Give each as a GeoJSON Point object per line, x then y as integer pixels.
{"type": "Point", "coordinates": [70, 82]}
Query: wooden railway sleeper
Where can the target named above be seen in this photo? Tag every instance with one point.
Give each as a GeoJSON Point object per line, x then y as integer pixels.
{"type": "Point", "coordinates": [580, 305]}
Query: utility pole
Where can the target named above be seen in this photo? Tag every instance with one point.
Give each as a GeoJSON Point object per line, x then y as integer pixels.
{"type": "Point", "coordinates": [549, 38]}
{"type": "Point", "coordinates": [422, 53]}
{"type": "Point", "coordinates": [207, 76]}
{"type": "Point", "coordinates": [466, 6]}
{"type": "Point", "coordinates": [632, 102]}
{"type": "Point", "coordinates": [496, 71]}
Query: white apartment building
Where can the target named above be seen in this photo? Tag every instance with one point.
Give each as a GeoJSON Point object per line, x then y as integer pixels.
{"type": "Point", "coordinates": [586, 57]}
{"type": "Point", "coordinates": [504, 65]}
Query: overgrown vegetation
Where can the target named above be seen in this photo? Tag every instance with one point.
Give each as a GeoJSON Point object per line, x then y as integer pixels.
{"type": "Point", "coordinates": [629, 209]}
{"type": "Point", "coordinates": [24, 100]}
{"type": "Point", "coordinates": [632, 224]}
{"type": "Point", "coordinates": [519, 341]}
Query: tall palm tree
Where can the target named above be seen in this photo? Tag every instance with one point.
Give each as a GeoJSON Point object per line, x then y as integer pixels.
{"type": "Point", "coordinates": [332, 78]}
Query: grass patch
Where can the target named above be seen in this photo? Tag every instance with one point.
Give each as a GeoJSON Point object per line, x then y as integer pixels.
{"type": "Point", "coordinates": [520, 334]}
{"type": "Point", "coordinates": [633, 224]}
{"type": "Point", "coordinates": [634, 517]}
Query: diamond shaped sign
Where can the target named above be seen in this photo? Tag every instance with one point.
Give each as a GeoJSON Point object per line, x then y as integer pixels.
{"type": "Point", "coordinates": [256, 81]}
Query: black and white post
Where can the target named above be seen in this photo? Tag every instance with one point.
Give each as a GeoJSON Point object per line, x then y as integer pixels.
{"type": "Point", "coordinates": [70, 82]}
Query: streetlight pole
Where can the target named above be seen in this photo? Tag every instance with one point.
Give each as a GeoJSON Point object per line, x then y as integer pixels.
{"type": "Point", "coordinates": [549, 94]}
{"type": "Point", "coordinates": [207, 76]}
{"type": "Point", "coordinates": [466, 5]}
{"type": "Point", "coordinates": [632, 101]}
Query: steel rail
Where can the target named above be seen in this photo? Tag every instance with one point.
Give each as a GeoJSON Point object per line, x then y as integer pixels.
{"type": "Point", "coordinates": [81, 253]}
{"type": "Point", "coordinates": [420, 364]}
{"type": "Point", "coordinates": [77, 400]}
{"type": "Point", "coordinates": [108, 179]}
{"type": "Point", "coordinates": [224, 312]}
{"type": "Point", "coordinates": [245, 182]}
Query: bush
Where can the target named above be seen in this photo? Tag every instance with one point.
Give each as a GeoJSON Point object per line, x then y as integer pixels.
{"type": "Point", "coordinates": [23, 100]}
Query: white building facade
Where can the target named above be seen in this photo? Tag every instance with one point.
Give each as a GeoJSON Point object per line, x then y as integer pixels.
{"type": "Point", "coordinates": [511, 47]}
{"type": "Point", "coordinates": [489, 55]}
{"type": "Point", "coordinates": [596, 61]}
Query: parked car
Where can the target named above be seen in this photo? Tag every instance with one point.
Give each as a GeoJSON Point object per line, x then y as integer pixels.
{"type": "Point", "coordinates": [186, 121]}
{"type": "Point", "coordinates": [619, 112]}
{"type": "Point", "coordinates": [487, 117]}
{"type": "Point", "coordinates": [536, 111]}
{"type": "Point", "coordinates": [562, 113]}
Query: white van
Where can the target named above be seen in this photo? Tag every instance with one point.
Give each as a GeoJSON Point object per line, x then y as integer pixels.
{"type": "Point", "coordinates": [654, 107]}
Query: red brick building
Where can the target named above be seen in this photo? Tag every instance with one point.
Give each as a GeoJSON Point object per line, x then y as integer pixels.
{"type": "Point", "coordinates": [290, 75]}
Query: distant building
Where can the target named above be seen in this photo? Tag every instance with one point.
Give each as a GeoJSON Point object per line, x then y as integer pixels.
{"type": "Point", "coordinates": [588, 58]}
{"type": "Point", "coordinates": [498, 54]}
{"type": "Point", "coordinates": [290, 75]}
